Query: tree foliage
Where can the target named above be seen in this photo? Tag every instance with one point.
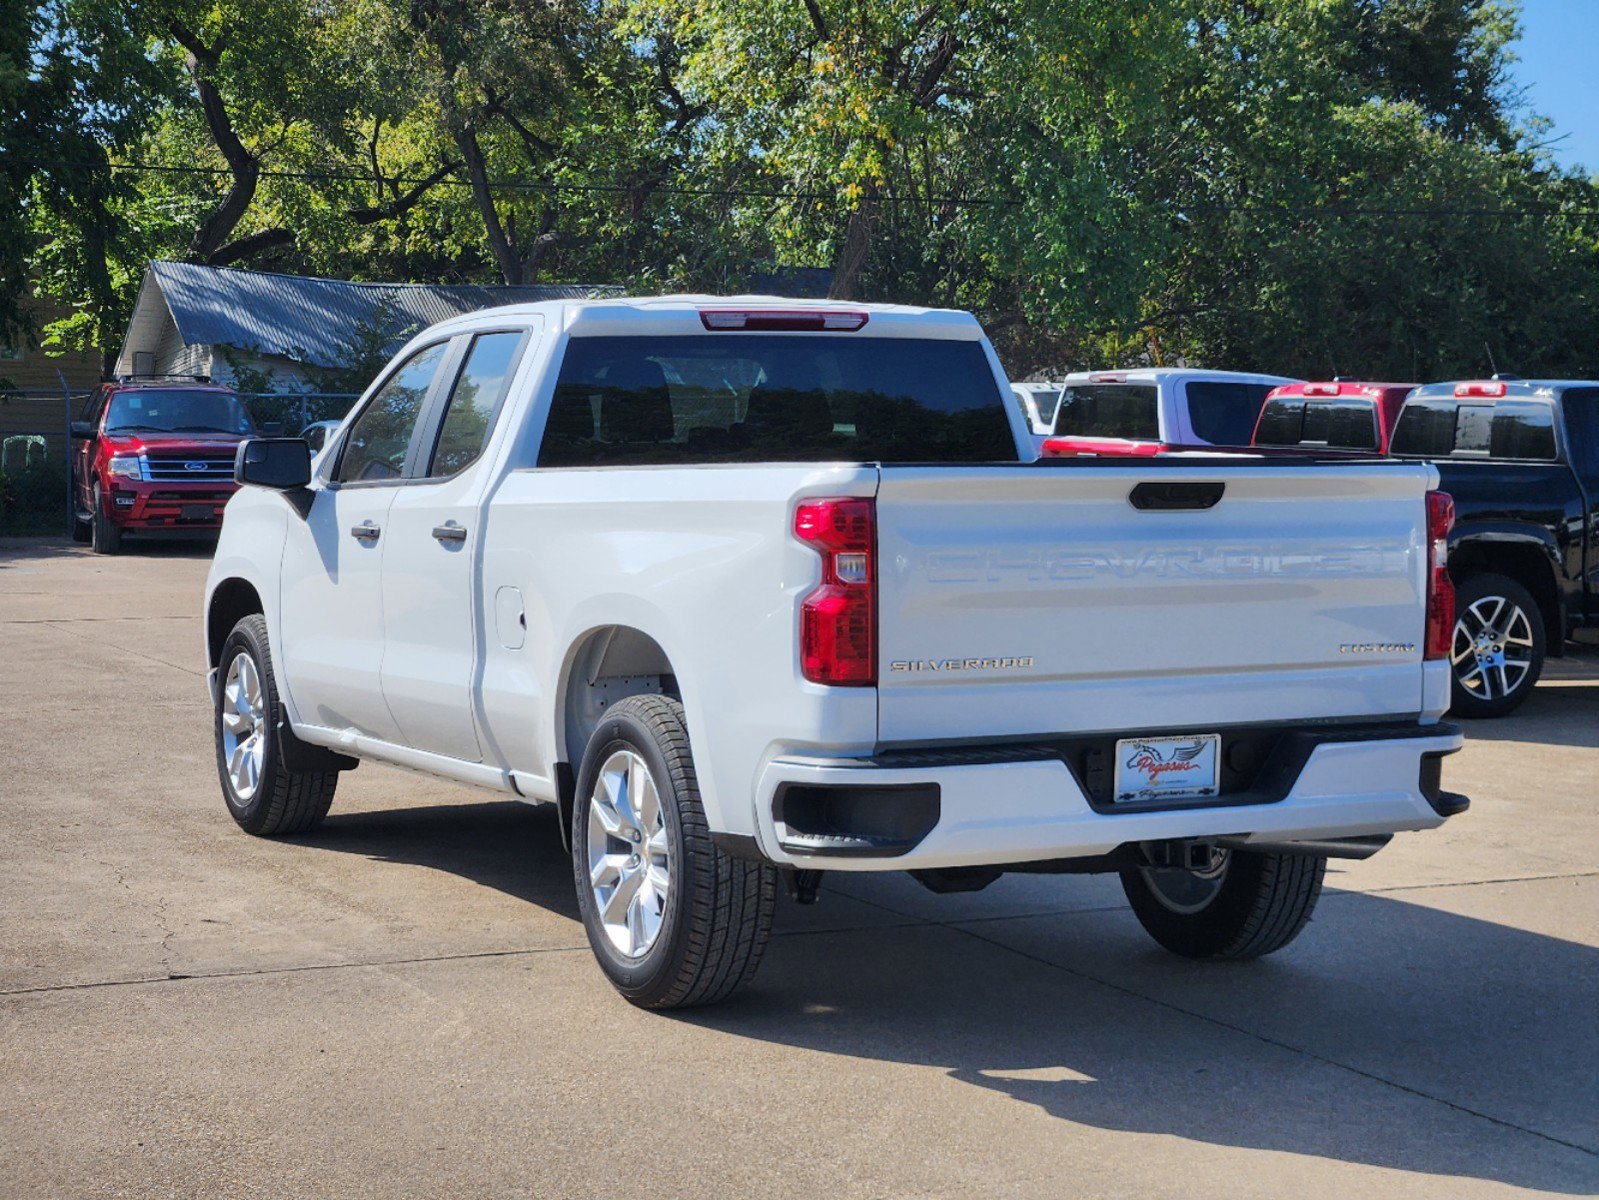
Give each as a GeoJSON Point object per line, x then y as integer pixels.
{"type": "Point", "coordinates": [1306, 186]}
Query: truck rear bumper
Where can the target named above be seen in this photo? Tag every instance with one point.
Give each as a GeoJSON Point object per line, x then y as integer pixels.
{"type": "Point", "coordinates": [920, 810]}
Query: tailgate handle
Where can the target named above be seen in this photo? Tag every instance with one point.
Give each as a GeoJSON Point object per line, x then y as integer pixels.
{"type": "Point", "coordinates": [1169, 497]}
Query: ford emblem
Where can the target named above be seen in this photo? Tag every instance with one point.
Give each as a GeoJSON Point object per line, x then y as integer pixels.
{"type": "Point", "coordinates": [195, 466]}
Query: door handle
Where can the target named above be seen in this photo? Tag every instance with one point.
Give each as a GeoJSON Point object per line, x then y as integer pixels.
{"type": "Point", "coordinates": [1176, 497]}
{"type": "Point", "coordinates": [450, 532]}
{"type": "Point", "coordinates": [366, 531]}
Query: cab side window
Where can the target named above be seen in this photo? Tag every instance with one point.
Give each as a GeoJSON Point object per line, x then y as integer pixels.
{"type": "Point", "coordinates": [474, 401]}
{"type": "Point", "coordinates": [1224, 414]}
{"type": "Point", "coordinates": [1582, 431]}
{"type": "Point", "coordinates": [376, 447]}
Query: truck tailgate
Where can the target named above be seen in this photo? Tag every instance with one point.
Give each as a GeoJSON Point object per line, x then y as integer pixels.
{"type": "Point", "coordinates": [1039, 600]}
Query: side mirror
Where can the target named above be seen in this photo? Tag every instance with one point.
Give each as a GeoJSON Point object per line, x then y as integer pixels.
{"type": "Point", "coordinates": [272, 429]}
{"type": "Point", "coordinates": [82, 430]}
{"type": "Point", "coordinates": [281, 463]}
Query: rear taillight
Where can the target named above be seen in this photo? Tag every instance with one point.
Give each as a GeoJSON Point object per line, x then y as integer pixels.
{"type": "Point", "coordinates": [838, 620]}
{"type": "Point", "coordinates": [1440, 588]}
{"type": "Point", "coordinates": [1480, 391]}
{"type": "Point", "coordinates": [1320, 389]}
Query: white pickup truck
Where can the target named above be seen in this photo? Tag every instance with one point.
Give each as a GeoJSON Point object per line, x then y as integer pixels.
{"type": "Point", "coordinates": [753, 589]}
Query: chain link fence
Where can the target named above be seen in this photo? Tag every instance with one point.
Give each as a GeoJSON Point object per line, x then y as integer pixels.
{"type": "Point", "coordinates": [36, 444]}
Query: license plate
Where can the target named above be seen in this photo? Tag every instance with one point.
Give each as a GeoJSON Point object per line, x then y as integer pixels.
{"type": "Point", "coordinates": [198, 512]}
{"type": "Point", "coordinates": [1168, 768]}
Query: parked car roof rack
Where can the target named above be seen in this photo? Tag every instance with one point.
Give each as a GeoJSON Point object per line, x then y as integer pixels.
{"type": "Point", "coordinates": [157, 377]}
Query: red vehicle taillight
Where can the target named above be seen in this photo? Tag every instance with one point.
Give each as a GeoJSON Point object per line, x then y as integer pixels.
{"type": "Point", "coordinates": [1440, 588]}
{"type": "Point", "coordinates": [838, 621]}
{"type": "Point", "coordinates": [1480, 391]}
{"type": "Point", "coordinates": [1070, 447]}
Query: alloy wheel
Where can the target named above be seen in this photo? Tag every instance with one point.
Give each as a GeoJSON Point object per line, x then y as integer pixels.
{"type": "Point", "coordinates": [628, 853]}
{"type": "Point", "coordinates": [1493, 647]}
{"type": "Point", "coordinates": [244, 725]}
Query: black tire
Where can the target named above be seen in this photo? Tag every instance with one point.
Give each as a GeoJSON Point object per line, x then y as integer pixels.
{"type": "Point", "coordinates": [283, 801]}
{"type": "Point", "coordinates": [718, 910]}
{"type": "Point", "coordinates": [1257, 904]}
{"type": "Point", "coordinates": [105, 536]}
{"type": "Point", "coordinates": [1477, 686]}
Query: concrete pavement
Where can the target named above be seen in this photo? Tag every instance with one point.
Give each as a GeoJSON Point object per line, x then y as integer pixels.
{"type": "Point", "coordinates": [403, 1004]}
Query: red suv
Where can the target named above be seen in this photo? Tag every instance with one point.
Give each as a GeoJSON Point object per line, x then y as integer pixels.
{"type": "Point", "coordinates": [154, 455]}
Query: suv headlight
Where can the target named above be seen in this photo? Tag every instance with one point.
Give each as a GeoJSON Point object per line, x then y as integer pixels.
{"type": "Point", "coordinates": [125, 465]}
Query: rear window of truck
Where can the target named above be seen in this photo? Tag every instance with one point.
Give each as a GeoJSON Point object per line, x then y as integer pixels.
{"type": "Point", "coordinates": [1339, 424]}
{"type": "Point", "coordinates": [738, 397]}
{"type": "Point", "coordinates": [1440, 427]}
{"type": "Point", "coordinates": [1116, 410]}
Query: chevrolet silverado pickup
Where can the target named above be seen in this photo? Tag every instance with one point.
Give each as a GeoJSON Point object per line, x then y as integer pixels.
{"type": "Point", "coordinates": [1521, 458]}
{"type": "Point", "coordinates": [754, 589]}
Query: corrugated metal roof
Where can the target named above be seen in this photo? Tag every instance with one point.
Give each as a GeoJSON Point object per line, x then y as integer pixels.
{"type": "Point", "coordinates": [315, 320]}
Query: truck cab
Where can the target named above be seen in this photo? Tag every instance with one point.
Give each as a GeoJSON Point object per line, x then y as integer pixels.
{"type": "Point", "coordinates": [1140, 413]}
{"type": "Point", "coordinates": [1334, 415]}
{"type": "Point", "coordinates": [1521, 459]}
{"type": "Point", "coordinates": [154, 455]}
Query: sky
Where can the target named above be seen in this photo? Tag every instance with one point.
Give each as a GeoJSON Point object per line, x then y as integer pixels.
{"type": "Point", "coordinates": [1558, 49]}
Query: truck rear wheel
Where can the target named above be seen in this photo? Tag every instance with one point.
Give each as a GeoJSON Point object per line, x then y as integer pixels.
{"type": "Point", "coordinates": [264, 796]}
{"type": "Point", "coordinates": [672, 919]}
{"type": "Point", "coordinates": [105, 536]}
{"type": "Point", "coordinates": [1249, 904]}
{"type": "Point", "coordinates": [1498, 648]}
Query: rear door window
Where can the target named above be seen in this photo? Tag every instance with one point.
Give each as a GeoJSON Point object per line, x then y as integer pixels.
{"type": "Point", "coordinates": [1112, 410]}
{"type": "Point", "coordinates": [746, 397]}
{"type": "Point", "coordinates": [474, 402]}
{"type": "Point", "coordinates": [1224, 414]}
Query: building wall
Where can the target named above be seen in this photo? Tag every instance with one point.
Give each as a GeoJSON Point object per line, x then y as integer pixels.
{"type": "Point", "coordinates": [286, 375]}
{"type": "Point", "coordinates": [27, 369]}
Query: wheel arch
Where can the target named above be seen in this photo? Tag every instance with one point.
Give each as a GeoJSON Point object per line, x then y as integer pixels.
{"type": "Point", "coordinates": [606, 664]}
{"type": "Point", "coordinates": [232, 600]}
{"type": "Point", "coordinates": [1531, 562]}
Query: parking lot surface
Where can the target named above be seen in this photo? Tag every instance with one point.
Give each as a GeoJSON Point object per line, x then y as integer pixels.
{"type": "Point", "coordinates": [403, 1003]}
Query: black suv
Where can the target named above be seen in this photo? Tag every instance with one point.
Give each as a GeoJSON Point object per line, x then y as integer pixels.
{"type": "Point", "coordinates": [1521, 459]}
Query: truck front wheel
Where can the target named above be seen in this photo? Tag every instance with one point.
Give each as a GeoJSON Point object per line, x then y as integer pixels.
{"type": "Point", "coordinates": [1248, 904]}
{"type": "Point", "coordinates": [264, 796]}
{"type": "Point", "coordinates": [1498, 648]}
{"type": "Point", "coordinates": [672, 919]}
{"type": "Point", "coordinates": [105, 536]}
